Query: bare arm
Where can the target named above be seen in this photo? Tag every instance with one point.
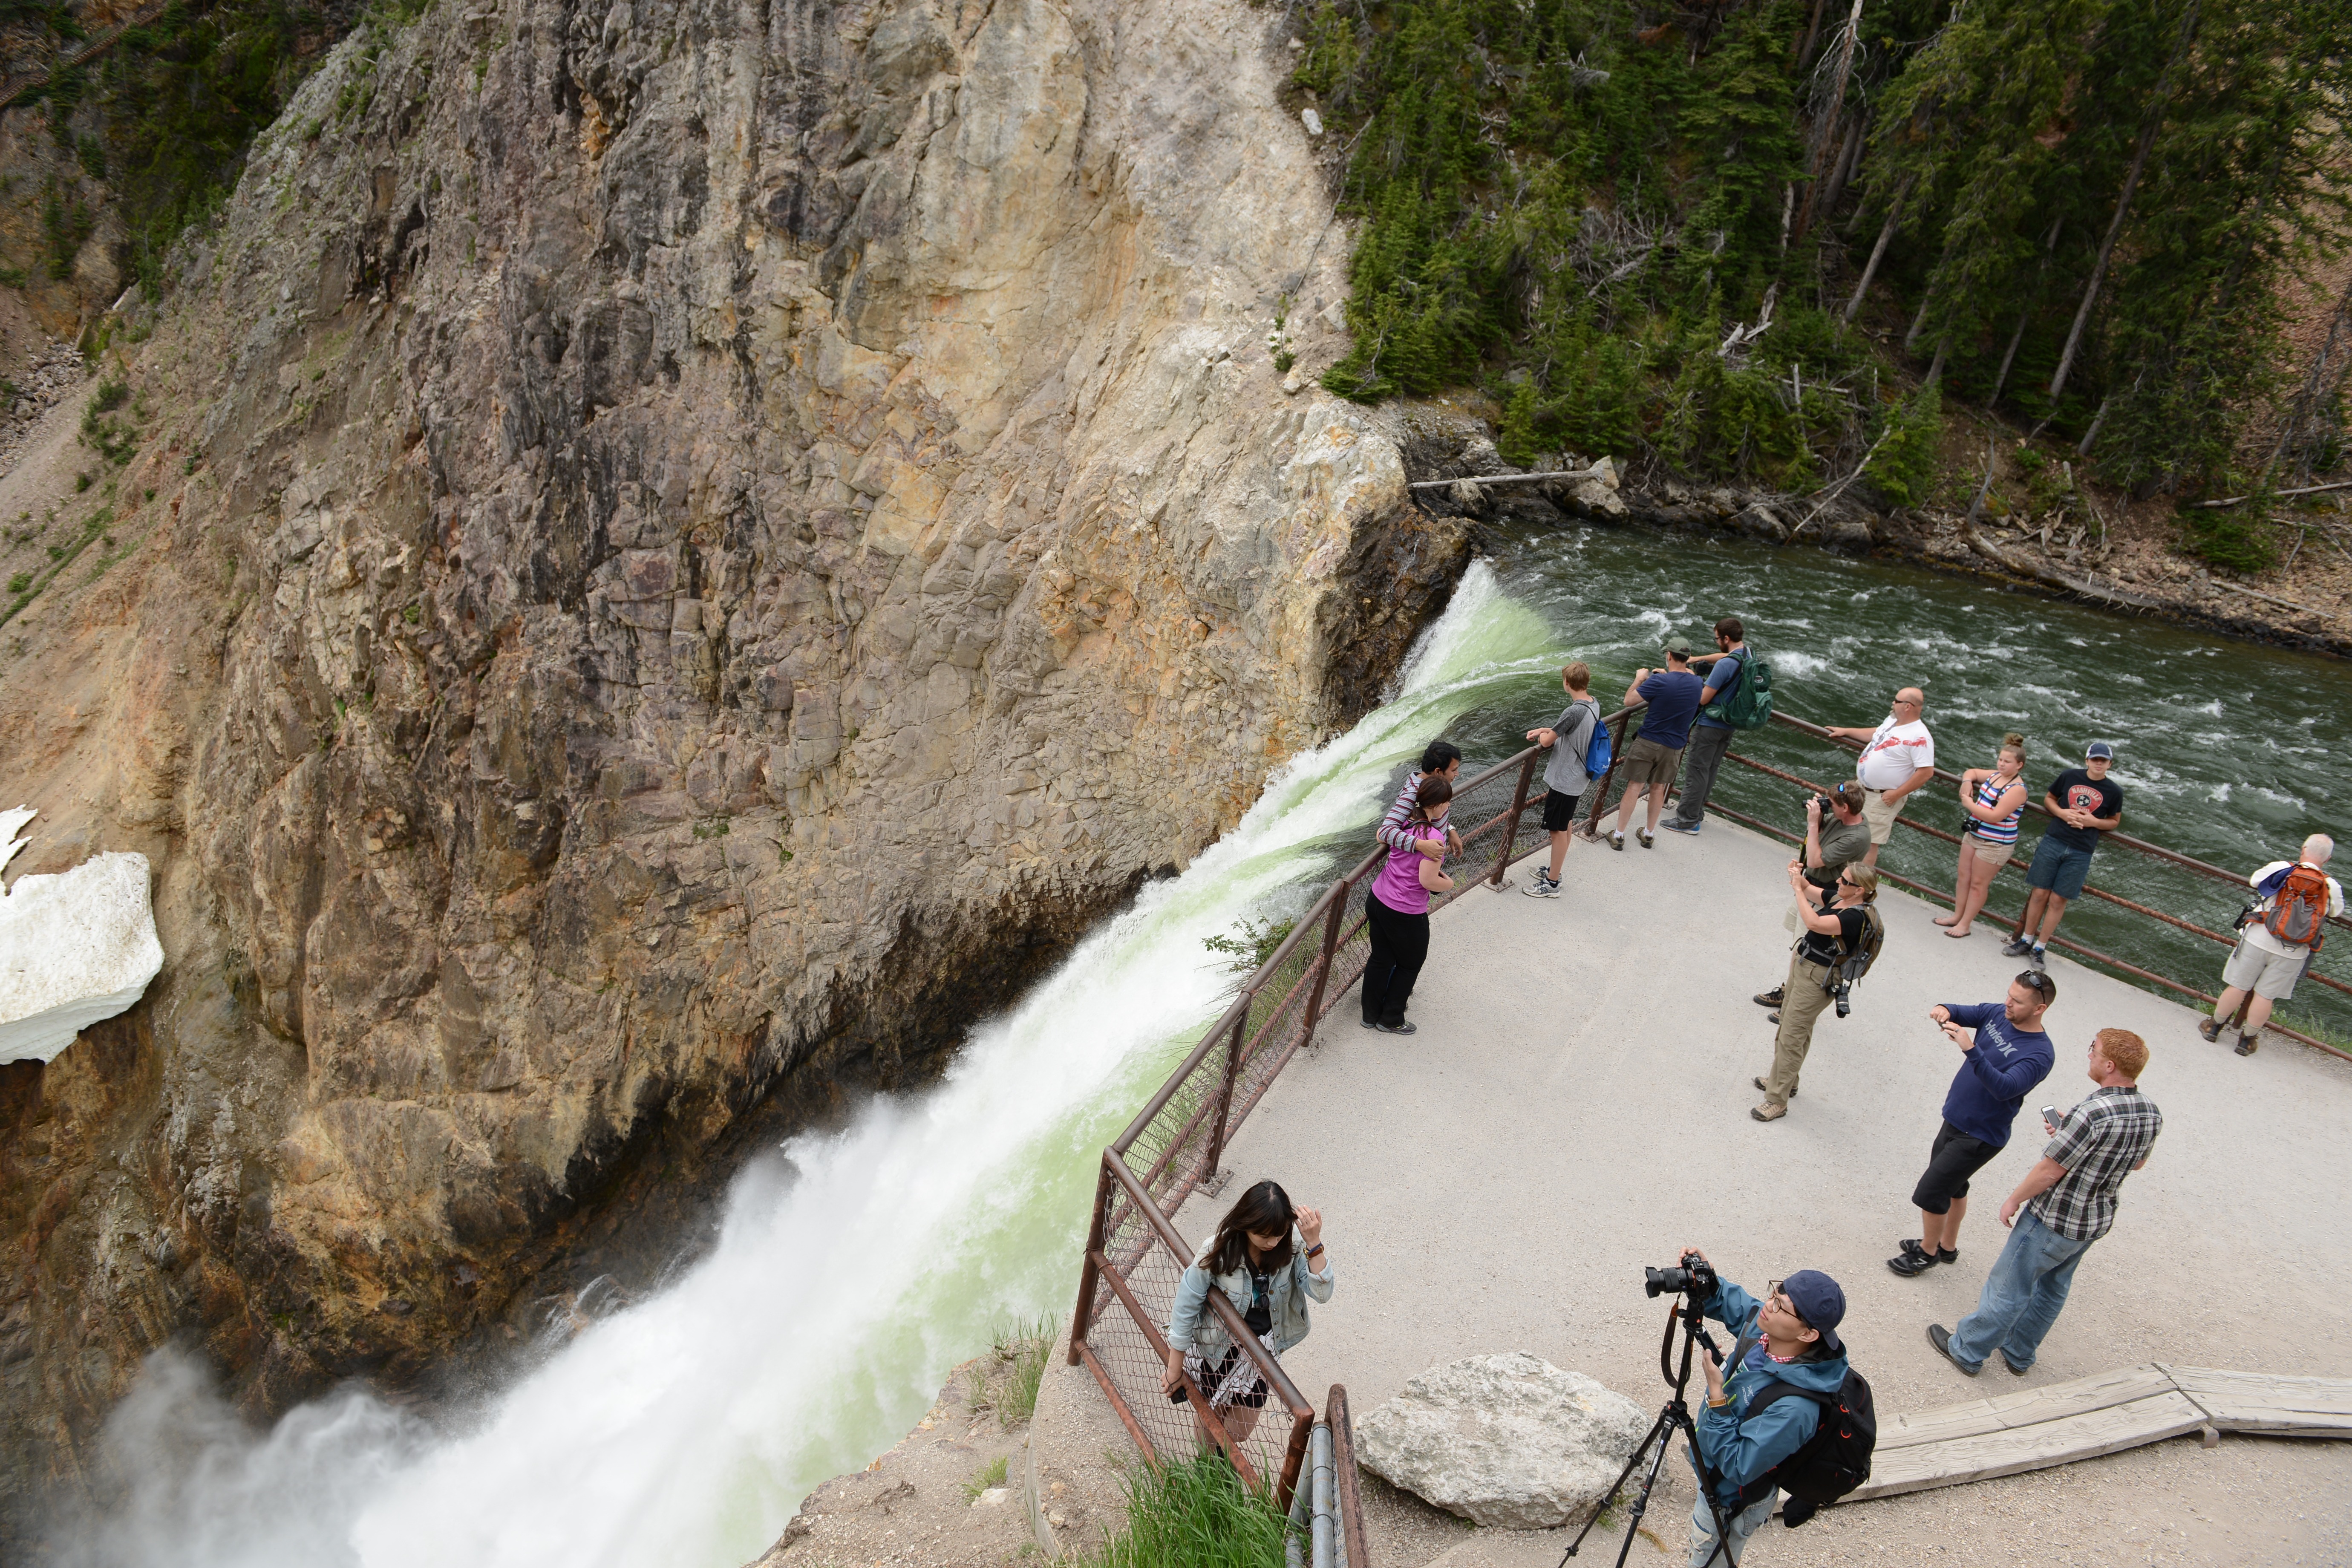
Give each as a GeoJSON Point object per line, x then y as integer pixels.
{"type": "Point", "coordinates": [1806, 909]}
{"type": "Point", "coordinates": [1634, 697]}
{"type": "Point", "coordinates": [2010, 799]}
{"type": "Point", "coordinates": [2037, 1181]}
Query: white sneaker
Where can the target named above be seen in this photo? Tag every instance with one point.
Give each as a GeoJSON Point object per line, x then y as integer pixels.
{"type": "Point", "coordinates": [1541, 886]}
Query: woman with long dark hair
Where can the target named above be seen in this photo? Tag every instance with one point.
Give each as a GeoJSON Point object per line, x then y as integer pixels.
{"type": "Point", "coordinates": [1268, 1258]}
{"type": "Point", "coordinates": [1396, 911]}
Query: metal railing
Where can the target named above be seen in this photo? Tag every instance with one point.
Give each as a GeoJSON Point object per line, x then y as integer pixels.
{"type": "Point", "coordinates": [1134, 1255]}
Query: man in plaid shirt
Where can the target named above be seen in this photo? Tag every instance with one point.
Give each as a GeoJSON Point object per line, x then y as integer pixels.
{"type": "Point", "coordinates": [2069, 1198]}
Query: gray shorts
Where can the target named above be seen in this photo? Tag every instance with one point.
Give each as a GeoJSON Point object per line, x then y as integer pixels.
{"type": "Point", "coordinates": [2264, 972]}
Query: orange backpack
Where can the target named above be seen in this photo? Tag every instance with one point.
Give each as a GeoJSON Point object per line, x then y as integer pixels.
{"type": "Point", "coordinates": [2298, 908]}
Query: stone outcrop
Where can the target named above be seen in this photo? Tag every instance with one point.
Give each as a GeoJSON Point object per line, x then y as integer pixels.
{"type": "Point", "coordinates": [678, 554]}
{"type": "Point", "coordinates": [75, 948]}
{"type": "Point", "coordinates": [1509, 1441]}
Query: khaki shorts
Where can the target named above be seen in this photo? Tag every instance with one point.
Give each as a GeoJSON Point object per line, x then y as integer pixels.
{"type": "Point", "coordinates": [2264, 972]}
{"type": "Point", "coordinates": [1648, 762]}
{"type": "Point", "coordinates": [1877, 816]}
{"type": "Point", "coordinates": [1984, 851]}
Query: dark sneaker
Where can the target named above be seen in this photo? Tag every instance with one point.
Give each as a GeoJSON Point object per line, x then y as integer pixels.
{"type": "Point", "coordinates": [2245, 1044]}
{"type": "Point", "coordinates": [1941, 1338]}
{"type": "Point", "coordinates": [1947, 1254]}
{"type": "Point", "coordinates": [1675, 825]}
{"type": "Point", "coordinates": [1792, 1094]}
{"type": "Point", "coordinates": [2018, 948]}
{"type": "Point", "coordinates": [2211, 1028]}
{"type": "Point", "coordinates": [1909, 1247]}
{"type": "Point", "coordinates": [2015, 1369]}
{"type": "Point", "coordinates": [1643, 834]}
{"type": "Point", "coordinates": [1404, 1028]}
{"type": "Point", "coordinates": [1772, 998]}
{"type": "Point", "coordinates": [2039, 960]}
{"type": "Point", "coordinates": [1540, 886]}
{"type": "Point", "coordinates": [1774, 1016]}
{"type": "Point", "coordinates": [1616, 841]}
{"type": "Point", "coordinates": [1371, 1022]}
{"type": "Point", "coordinates": [1910, 1265]}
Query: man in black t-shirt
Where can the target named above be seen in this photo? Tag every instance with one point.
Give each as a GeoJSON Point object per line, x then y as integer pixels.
{"type": "Point", "coordinates": [2082, 803]}
{"type": "Point", "coordinates": [1833, 925]}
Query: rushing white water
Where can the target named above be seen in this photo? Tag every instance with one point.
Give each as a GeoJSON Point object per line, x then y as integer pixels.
{"type": "Point", "coordinates": [852, 1271]}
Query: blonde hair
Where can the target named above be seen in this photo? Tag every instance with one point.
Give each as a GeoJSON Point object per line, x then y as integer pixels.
{"type": "Point", "coordinates": [1867, 879]}
{"type": "Point", "coordinates": [2124, 1050]}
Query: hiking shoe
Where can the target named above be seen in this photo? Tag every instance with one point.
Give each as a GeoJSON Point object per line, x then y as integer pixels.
{"type": "Point", "coordinates": [1404, 1028]}
{"type": "Point", "coordinates": [1774, 1016]}
{"type": "Point", "coordinates": [2039, 960]}
{"type": "Point", "coordinates": [1540, 886]}
{"type": "Point", "coordinates": [2015, 1369]}
{"type": "Point", "coordinates": [1772, 998]}
{"type": "Point", "coordinates": [1909, 1247]}
{"type": "Point", "coordinates": [1371, 1022]}
{"type": "Point", "coordinates": [2245, 1044]}
{"type": "Point", "coordinates": [1910, 1265]}
{"type": "Point", "coordinates": [1941, 1338]}
{"type": "Point", "coordinates": [1767, 1112]}
{"type": "Point", "coordinates": [1767, 1087]}
{"type": "Point", "coordinates": [2018, 948]}
{"type": "Point", "coordinates": [1616, 841]}
{"type": "Point", "coordinates": [2211, 1029]}
{"type": "Point", "coordinates": [1675, 825]}
{"type": "Point", "coordinates": [1648, 842]}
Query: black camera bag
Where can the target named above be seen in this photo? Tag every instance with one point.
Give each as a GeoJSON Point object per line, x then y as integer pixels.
{"type": "Point", "coordinates": [1833, 1461]}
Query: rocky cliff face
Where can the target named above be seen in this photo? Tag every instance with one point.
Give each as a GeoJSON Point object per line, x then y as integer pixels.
{"type": "Point", "coordinates": [677, 552]}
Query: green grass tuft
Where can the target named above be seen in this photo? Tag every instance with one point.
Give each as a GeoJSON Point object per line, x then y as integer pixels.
{"type": "Point", "coordinates": [1196, 1514]}
{"type": "Point", "coordinates": [989, 1475]}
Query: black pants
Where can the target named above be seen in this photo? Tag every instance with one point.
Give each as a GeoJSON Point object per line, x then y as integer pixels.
{"type": "Point", "coordinates": [1702, 760]}
{"type": "Point", "coordinates": [1400, 943]}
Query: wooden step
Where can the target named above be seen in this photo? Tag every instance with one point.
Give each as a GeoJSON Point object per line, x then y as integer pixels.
{"type": "Point", "coordinates": [2006, 1450]}
{"type": "Point", "coordinates": [2269, 1404]}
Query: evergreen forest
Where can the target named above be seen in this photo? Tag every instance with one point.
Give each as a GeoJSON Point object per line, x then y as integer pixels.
{"type": "Point", "coordinates": [1764, 240]}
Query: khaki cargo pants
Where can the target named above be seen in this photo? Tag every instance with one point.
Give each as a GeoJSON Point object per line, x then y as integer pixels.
{"type": "Point", "coordinates": [1802, 999]}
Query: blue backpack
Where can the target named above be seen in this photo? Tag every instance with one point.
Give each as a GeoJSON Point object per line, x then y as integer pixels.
{"type": "Point", "coordinates": [1596, 750]}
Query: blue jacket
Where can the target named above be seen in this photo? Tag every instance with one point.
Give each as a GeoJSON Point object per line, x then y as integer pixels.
{"type": "Point", "coordinates": [1995, 1078]}
{"type": "Point", "coordinates": [1738, 1450]}
{"type": "Point", "coordinates": [1196, 1330]}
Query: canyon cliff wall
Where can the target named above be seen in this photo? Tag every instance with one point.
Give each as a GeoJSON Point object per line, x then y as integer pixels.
{"type": "Point", "coordinates": [675, 554]}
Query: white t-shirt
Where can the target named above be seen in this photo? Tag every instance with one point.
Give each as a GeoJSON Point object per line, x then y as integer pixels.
{"type": "Point", "coordinates": [2258, 935]}
{"type": "Point", "coordinates": [1895, 752]}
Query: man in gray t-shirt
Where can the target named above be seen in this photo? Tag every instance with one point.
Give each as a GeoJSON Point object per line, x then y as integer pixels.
{"type": "Point", "coordinates": [1569, 736]}
{"type": "Point", "coordinates": [1832, 841]}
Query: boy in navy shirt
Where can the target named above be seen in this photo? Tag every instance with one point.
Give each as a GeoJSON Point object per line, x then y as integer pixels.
{"type": "Point", "coordinates": [2000, 1063]}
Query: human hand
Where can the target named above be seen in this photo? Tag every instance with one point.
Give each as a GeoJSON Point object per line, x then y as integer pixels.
{"type": "Point", "coordinates": [1711, 1363]}
{"type": "Point", "coordinates": [1542, 737]}
{"type": "Point", "coordinates": [1812, 808]}
{"type": "Point", "coordinates": [1433, 847]}
{"type": "Point", "coordinates": [1642, 673]}
{"type": "Point", "coordinates": [1940, 1014]}
{"type": "Point", "coordinates": [1174, 1372]}
{"type": "Point", "coordinates": [1960, 1036]}
{"type": "Point", "coordinates": [2008, 1210]}
{"type": "Point", "coordinates": [1310, 1225]}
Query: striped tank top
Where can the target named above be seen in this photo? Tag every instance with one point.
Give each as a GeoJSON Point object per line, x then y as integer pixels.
{"type": "Point", "coordinates": [1989, 794]}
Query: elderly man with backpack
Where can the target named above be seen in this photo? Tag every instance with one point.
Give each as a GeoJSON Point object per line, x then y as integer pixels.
{"type": "Point", "coordinates": [2277, 937]}
{"type": "Point", "coordinates": [1787, 1414]}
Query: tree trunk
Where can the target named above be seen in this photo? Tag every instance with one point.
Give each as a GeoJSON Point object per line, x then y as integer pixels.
{"type": "Point", "coordinates": [1936, 365]}
{"type": "Point", "coordinates": [1813, 31]}
{"type": "Point", "coordinates": [2327, 374]}
{"type": "Point", "coordinates": [2123, 204]}
{"type": "Point", "coordinates": [2082, 450]}
{"type": "Point", "coordinates": [2009, 355]}
{"type": "Point", "coordinates": [1842, 171]}
{"type": "Point", "coordinates": [1879, 251]}
{"type": "Point", "coordinates": [1824, 127]}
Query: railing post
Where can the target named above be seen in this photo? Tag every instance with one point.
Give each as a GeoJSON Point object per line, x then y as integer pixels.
{"type": "Point", "coordinates": [1335, 911]}
{"type": "Point", "coordinates": [1225, 1093]}
{"type": "Point", "coordinates": [1600, 794]}
{"type": "Point", "coordinates": [1302, 1425]}
{"type": "Point", "coordinates": [1511, 829]}
{"type": "Point", "coordinates": [1088, 1276]}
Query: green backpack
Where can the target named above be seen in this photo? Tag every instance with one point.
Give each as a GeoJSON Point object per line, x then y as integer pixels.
{"type": "Point", "coordinates": [1750, 706]}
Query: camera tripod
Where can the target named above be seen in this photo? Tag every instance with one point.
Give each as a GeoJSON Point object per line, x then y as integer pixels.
{"type": "Point", "coordinates": [1674, 1417]}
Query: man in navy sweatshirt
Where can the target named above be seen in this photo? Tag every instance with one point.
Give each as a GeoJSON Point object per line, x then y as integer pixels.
{"type": "Point", "coordinates": [2000, 1062]}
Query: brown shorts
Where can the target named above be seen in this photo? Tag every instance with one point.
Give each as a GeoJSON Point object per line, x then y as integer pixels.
{"type": "Point", "coordinates": [1646, 761]}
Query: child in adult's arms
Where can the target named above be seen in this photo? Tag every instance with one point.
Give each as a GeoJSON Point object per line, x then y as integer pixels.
{"type": "Point", "coordinates": [1268, 1258]}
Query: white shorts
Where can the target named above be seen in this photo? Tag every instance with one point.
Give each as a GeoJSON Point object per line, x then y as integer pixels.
{"type": "Point", "coordinates": [2264, 972]}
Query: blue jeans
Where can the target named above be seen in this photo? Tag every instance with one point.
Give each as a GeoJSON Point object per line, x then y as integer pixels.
{"type": "Point", "coordinates": [1744, 1522]}
{"type": "Point", "coordinates": [2022, 1296]}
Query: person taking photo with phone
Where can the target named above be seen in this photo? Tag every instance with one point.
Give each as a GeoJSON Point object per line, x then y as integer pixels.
{"type": "Point", "coordinates": [1269, 1260]}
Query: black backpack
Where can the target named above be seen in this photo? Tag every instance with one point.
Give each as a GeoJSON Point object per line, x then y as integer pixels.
{"type": "Point", "coordinates": [1833, 1461]}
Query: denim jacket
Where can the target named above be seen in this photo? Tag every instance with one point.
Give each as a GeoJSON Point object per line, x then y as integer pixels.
{"type": "Point", "coordinates": [1194, 1329]}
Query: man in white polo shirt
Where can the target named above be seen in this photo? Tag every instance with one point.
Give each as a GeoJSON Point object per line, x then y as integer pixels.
{"type": "Point", "coordinates": [1896, 758]}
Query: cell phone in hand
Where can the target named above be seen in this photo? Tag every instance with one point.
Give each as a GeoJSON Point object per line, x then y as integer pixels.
{"type": "Point", "coordinates": [2050, 1116]}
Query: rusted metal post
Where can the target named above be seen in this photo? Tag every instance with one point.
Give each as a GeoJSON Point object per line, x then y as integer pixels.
{"type": "Point", "coordinates": [1511, 828]}
{"type": "Point", "coordinates": [1088, 1276]}
{"type": "Point", "coordinates": [1343, 1460]}
{"type": "Point", "coordinates": [1302, 1425]}
{"type": "Point", "coordinates": [1225, 1096]}
{"type": "Point", "coordinates": [1335, 910]}
{"type": "Point", "coordinates": [1600, 794]}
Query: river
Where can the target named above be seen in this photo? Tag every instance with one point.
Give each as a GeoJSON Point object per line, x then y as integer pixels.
{"type": "Point", "coordinates": [852, 1269]}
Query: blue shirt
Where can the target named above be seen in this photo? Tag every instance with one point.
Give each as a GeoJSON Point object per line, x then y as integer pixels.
{"type": "Point", "coordinates": [1724, 676]}
{"type": "Point", "coordinates": [1995, 1078]}
{"type": "Point", "coordinates": [1673, 696]}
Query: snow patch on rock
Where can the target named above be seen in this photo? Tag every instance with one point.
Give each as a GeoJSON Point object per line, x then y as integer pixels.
{"type": "Point", "coordinates": [75, 948]}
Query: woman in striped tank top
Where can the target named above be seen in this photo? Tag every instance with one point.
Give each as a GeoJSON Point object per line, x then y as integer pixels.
{"type": "Point", "coordinates": [1994, 799]}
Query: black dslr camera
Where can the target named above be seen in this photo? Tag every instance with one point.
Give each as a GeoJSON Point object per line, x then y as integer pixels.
{"type": "Point", "coordinates": [1694, 1277]}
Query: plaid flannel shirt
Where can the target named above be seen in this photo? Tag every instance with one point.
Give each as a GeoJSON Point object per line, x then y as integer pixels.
{"type": "Point", "coordinates": [2109, 1131]}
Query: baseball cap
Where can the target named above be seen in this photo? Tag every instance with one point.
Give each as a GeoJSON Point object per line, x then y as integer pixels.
{"type": "Point", "coordinates": [1819, 1300]}
{"type": "Point", "coordinates": [2101, 749]}
{"type": "Point", "coordinates": [1677, 649]}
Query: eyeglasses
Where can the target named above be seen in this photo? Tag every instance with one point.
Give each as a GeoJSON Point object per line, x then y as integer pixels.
{"type": "Point", "coordinates": [1772, 1298]}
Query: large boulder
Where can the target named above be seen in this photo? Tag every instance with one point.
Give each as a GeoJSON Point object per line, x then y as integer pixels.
{"type": "Point", "coordinates": [75, 949]}
{"type": "Point", "coordinates": [1505, 1440]}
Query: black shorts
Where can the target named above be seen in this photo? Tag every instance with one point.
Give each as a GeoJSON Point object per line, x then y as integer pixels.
{"type": "Point", "coordinates": [1254, 1400]}
{"type": "Point", "coordinates": [1955, 1158]}
{"type": "Point", "coordinates": [1560, 811]}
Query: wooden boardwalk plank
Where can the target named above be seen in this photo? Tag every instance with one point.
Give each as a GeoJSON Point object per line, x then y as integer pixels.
{"type": "Point", "coordinates": [2269, 1403]}
{"type": "Point", "coordinates": [2010, 1450]}
{"type": "Point", "coordinates": [2026, 1407]}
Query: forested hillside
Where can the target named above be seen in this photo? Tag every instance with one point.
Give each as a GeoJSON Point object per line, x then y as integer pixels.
{"type": "Point", "coordinates": [1765, 239]}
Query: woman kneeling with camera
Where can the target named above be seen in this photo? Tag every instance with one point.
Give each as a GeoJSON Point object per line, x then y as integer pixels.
{"type": "Point", "coordinates": [1268, 1257]}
